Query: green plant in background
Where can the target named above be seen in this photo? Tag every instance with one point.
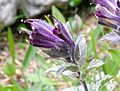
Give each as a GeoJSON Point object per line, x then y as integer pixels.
{"type": "Point", "coordinates": [11, 44]}
{"type": "Point", "coordinates": [10, 67]}
{"type": "Point", "coordinates": [74, 3]}
{"type": "Point", "coordinates": [56, 13]}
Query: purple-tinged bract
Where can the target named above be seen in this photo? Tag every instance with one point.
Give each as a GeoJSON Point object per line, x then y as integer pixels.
{"type": "Point", "coordinates": [108, 13]}
{"type": "Point", "coordinates": [58, 38]}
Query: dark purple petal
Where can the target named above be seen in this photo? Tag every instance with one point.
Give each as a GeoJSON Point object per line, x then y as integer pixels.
{"type": "Point", "coordinates": [107, 22]}
{"type": "Point", "coordinates": [105, 13]}
{"type": "Point", "coordinates": [106, 3]}
{"type": "Point", "coordinates": [117, 11]}
{"type": "Point", "coordinates": [62, 32]}
{"type": "Point", "coordinates": [118, 3]}
{"type": "Point", "coordinates": [43, 29]}
{"type": "Point", "coordinates": [100, 14]}
{"type": "Point", "coordinates": [40, 22]}
{"type": "Point", "coordinates": [39, 43]}
{"type": "Point", "coordinates": [46, 30]}
{"type": "Point", "coordinates": [42, 35]}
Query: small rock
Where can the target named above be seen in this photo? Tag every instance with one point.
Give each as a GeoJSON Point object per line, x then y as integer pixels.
{"type": "Point", "coordinates": [7, 11]}
{"type": "Point", "coordinates": [31, 8]}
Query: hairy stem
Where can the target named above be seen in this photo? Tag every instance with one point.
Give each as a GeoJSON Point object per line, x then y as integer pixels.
{"type": "Point", "coordinates": [84, 85]}
{"type": "Point", "coordinates": [82, 82]}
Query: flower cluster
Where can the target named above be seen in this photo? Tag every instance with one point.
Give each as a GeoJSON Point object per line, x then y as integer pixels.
{"type": "Point", "coordinates": [108, 13]}
{"type": "Point", "coordinates": [55, 38]}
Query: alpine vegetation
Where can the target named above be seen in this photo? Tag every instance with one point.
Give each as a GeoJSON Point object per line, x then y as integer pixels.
{"type": "Point", "coordinates": [59, 44]}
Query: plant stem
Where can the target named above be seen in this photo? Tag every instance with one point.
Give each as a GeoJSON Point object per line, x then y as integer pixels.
{"type": "Point", "coordinates": [82, 82]}
{"type": "Point", "coordinates": [84, 85]}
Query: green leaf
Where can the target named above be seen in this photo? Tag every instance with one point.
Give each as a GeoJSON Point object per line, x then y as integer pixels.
{"type": "Point", "coordinates": [113, 61]}
{"type": "Point", "coordinates": [56, 13]}
{"type": "Point", "coordinates": [116, 58]}
{"type": "Point", "coordinates": [104, 81]}
{"type": "Point", "coordinates": [64, 70]}
{"type": "Point", "coordinates": [28, 56]}
{"type": "Point", "coordinates": [49, 21]}
{"type": "Point", "coordinates": [103, 88]}
{"type": "Point", "coordinates": [95, 63]}
{"type": "Point", "coordinates": [74, 3]}
{"type": "Point", "coordinates": [100, 85]}
{"type": "Point", "coordinates": [8, 88]}
{"type": "Point", "coordinates": [11, 44]}
{"type": "Point", "coordinates": [9, 68]}
{"type": "Point", "coordinates": [19, 88]}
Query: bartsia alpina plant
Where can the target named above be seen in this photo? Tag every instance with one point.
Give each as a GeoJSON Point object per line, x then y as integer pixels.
{"type": "Point", "coordinates": [108, 14]}
{"type": "Point", "coordinates": [56, 38]}
{"type": "Point", "coordinates": [59, 44]}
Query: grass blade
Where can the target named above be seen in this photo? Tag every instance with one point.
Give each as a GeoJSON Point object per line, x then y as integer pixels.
{"type": "Point", "coordinates": [11, 44]}
{"type": "Point", "coordinates": [28, 56]}
{"type": "Point", "coordinates": [56, 13]}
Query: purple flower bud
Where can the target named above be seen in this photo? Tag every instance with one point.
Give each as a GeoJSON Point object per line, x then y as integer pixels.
{"type": "Point", "coordinates": [106, 3]}
{"type": "Point", "coordinates": [57, 39]}
{"type": "Point", "coordinates": [108, 12]}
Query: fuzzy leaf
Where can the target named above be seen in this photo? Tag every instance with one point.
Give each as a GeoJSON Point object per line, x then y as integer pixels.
{"type": "Point", "coordinates": [100, 84]}
{"type": "Point", "coordinates": [104, 81]}
{"type": "Point", "coordinates": [80, 50]}
{"type": "Point", "coordinates": [57, 69]}
{"type": "Point", "coordinates": [113, 37]}
{"type": "Point", "coordinates": [95, 63]}
{"type": "Point", "coordinates": [68, 70]}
